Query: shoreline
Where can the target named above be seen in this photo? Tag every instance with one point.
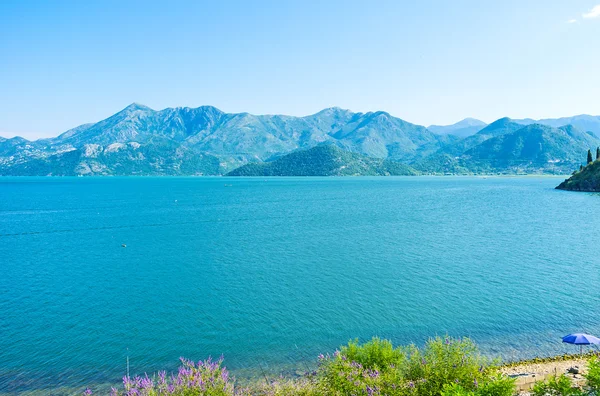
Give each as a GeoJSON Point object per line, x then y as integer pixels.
{"type": "Point", "coordinates": [475, 175]}
{"type": "Point", "coordinates": [526, 373]}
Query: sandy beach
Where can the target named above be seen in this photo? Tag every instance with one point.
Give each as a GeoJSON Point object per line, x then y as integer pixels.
{"type": "Point", "coordinates": [528, 373]}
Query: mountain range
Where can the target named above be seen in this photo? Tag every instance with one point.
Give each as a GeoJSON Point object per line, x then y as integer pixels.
{"type": "Point", "coordinates": [462, 129]}
{"type": "Point", "coordinates": [206, 141]}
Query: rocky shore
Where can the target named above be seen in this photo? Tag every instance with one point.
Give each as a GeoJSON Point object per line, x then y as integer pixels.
{"type": "Point", "coordinates": [527, 373]}
{"type": "Point", "coordinates": [587, 179]}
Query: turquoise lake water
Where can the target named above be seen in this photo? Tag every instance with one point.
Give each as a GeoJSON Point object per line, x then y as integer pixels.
{"type": "Point", "coordinates": [270, 273]}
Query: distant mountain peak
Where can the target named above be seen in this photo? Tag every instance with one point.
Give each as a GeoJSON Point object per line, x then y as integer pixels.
{"type": "Point", "coordinates": [463, 128]}
{"type": "Point", "coordinates": [381, 113]}
{"type": "Point", "coordinates": [137, 106]}
{"type": "Point", "coordinates": [502, 121]}
{"type": "Point", "coordinates": [471, 121]}
{"type": "Point", "coordinates": [331, 110]}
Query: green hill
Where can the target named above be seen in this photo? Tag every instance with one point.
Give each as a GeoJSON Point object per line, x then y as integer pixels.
{"type": "Point", "coordinates": [533, 148]}
{"type": "Point", "coordinates": [206, 141]}
{"type": "Point", "coordinates": [174, 135]}
{"type": "Point", "coordinates": [324, 160]}
{"type": "Point", "coordinates": [587, 179]}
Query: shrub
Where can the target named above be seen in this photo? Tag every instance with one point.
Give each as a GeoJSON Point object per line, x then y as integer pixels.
{"type": "Point", "coordinates": [498, 385]}
{"type": "Point", "coordinates": [285, 387]}
{"type": "Point", "coordinates": [593, 375]}
{"type": "Point", "coordinates": [495, 386]}
{"type": "Point", "coordinates": [456, 390]}
{"type": "Point", "coordinates": [556, 386]}
{"type": "Point", "coordinates": [444, 366]}
{"type": "Point", "coordinates": [339, 375]}
{"type": "Point", "coordinates": [207, 378]}
{"type": "Point", "coordinates": [446, 361]}
{"type": "Point", "coordinates": [375, 354]}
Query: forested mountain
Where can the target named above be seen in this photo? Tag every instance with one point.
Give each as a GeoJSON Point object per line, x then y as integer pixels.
{"type": "Point", "coordinates": [206, 141]}
{"type": "Point", "coordinates": [324, 160]}
{"type": "Point", "coordinates": [506, 148]}
{"type": "Point", "coordinates": [583, 122]}
{"type": "Point", "coordinates": [163, 142]}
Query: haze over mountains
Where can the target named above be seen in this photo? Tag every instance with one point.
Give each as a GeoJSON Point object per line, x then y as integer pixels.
{"type": "Point", "coordinates": [206, 141]}
{"type": "Point", "coordinates": [464, 128]}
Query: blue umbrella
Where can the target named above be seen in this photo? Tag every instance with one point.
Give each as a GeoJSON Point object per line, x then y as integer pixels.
{"type": "Point", "coordinates": [580, 339]}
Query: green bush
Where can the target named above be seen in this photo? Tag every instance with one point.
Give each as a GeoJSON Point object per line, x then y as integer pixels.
{"type": "Point", "coordinates": [283, 387]}
{"type": "Point", "coordinates": [375, 354]}
{"type": "Point", "coordinates": [593, 375]}
{"type": "Point", "coordinates": [556, 386]}
{"type": "Point", "coordinates": [339, 375]}
{"type": "Point", "coordinates": [495, 386]}
{"type": "Point", "coordinates": [456, 390]}
{"type": "Point", "coordinates": [499, 385]}
{"type": "Point", "coordinates": [445, 366]}
{"type": "Point", "coordinates": [446, 361]}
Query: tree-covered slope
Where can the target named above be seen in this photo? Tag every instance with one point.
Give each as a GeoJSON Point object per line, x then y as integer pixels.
{"type": "Point", "coordinates": [535, 148]}
{"type": "Point", "coordinates": [324, 160]}
{"type": "Point", "coordinates": [587, 179]}
{"type": "Point", "coordinates": [497, 128]}
{"type": "Point", "coordinates": [508, 147]}
{"type": "Point", "coordinates": [582, 122]}
{"type": "Point", "coordinates": [234, 139]}
{"type": "Point", "coordinates": [205, 140]}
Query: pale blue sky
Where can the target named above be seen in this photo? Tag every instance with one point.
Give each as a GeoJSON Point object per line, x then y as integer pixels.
{"type": "Point", "coordinates": [64, 63]}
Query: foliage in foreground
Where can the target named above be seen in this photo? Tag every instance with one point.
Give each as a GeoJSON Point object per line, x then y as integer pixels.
{"type": "Point", "coordinates": [563, 386]}
{"type": "Point", "coordinates": [444, 367]}
{"type": "Point", "coordinates": [376, 368]}
{"type": "Point", "coordinates": [559, 385]}
{"type": "Point", "coordinates": [593, 375]}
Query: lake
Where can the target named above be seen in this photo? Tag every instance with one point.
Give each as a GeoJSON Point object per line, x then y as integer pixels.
{"type": "Point", "coordinates": [271, 272]}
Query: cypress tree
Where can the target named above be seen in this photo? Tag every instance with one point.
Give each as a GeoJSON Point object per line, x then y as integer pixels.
{"type": "Point", "coordinates": [597, 153]}
{"type": "Point", "coordinates": [589, 161]}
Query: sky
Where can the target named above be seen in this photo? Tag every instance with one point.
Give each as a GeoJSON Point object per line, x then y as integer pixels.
{"type": "Point", "coordinates": [65, 63]}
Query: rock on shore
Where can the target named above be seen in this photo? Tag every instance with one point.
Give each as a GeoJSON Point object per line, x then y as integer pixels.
{"type": "Point", "coordinates": [588, 179]}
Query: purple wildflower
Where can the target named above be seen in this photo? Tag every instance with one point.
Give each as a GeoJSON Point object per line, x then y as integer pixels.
{"type": "Point", "coordinates": [87, 391]}
{"type": "Point", "coordinates": [146, 383]}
